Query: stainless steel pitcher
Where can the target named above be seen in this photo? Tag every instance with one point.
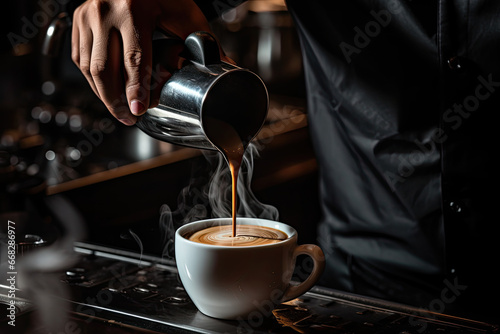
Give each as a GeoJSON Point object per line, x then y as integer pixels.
{"type": "Point", "coordinates": [206, 87]}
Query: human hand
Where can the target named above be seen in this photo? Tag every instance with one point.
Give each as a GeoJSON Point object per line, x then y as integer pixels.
{"type": "Point", "coordinates": [112, 46]}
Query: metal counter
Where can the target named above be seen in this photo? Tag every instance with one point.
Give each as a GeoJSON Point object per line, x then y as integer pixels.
{"type": "Point", "coordinates": [123, 292]}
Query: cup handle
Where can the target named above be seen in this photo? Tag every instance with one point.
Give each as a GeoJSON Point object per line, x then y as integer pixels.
{"type": "Point", "coordinates": [293, 291]}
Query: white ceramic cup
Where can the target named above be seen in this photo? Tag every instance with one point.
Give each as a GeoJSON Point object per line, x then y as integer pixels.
{"type": "Point", "coordinates": [241, 282]}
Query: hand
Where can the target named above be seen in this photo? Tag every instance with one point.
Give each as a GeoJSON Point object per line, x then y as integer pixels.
{"type": "Point", "coordinates": [112, 46]}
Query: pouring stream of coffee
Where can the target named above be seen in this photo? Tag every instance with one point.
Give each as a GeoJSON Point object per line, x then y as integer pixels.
{"type": "Point", "coordinates": [225, 137]}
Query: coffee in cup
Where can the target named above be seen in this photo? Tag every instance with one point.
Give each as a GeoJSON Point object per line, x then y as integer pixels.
{"type": "Point", "coordinates": [248, 235]}
{"type": "Point", "coordinates": [239, 279]}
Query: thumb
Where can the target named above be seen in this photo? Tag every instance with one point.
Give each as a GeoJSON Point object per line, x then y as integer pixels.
{"type": "Point", "coordinates": [137, 59]}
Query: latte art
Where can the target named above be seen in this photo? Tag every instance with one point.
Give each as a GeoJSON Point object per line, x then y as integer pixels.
{"type": "Point", "coordinates": [248, 235]}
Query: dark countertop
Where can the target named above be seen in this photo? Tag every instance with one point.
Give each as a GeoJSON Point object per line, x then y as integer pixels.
{"type": "Point", "coordinates": [125, 292]}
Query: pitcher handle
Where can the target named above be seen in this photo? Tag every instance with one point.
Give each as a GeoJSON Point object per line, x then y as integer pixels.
{"type": "Point", "coordinates": [202, 48]}
{"type": "Point", "coordinates": [294, 291]}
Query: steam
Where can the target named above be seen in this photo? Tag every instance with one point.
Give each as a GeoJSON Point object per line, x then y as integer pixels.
{"type": "Point", "coordinates": [139, 242]}
{"type": "Point", "coordinates": [209, 196]}
{"type": "Point", "coordinates": [250, 206]}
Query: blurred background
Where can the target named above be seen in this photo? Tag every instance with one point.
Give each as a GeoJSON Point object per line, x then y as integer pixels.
{"type": "Point", "coordinates": [58, 140]}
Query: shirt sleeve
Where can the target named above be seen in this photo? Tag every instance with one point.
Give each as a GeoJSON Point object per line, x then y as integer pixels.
{"type": "Point", "coordinates": [215, 8]}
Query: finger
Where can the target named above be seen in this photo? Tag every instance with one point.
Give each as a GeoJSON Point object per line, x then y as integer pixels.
{"type": "Point", "coordinates": [107, 75]}
{"type": "Point", "coordinates": [75, 42]}
{"type": "Point", "coordinates": [137, 59]}
{"type": "Point", "coordinates": [81, 49]}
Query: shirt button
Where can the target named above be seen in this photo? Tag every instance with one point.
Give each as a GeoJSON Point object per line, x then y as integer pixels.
{"type": "Point", "coordinates": [455, 207]}
{"type": "Point", "coordinates": [455, 63]}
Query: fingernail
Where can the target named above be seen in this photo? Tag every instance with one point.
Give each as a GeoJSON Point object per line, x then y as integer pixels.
{"type": "Point", "coordinates": [136, 107]}
{"type": "Point", "coordinates": [126, 121]}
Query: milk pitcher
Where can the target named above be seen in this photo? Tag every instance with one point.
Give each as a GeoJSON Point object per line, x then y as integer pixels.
{"type": "Point", "coordinates": [206, 87]}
